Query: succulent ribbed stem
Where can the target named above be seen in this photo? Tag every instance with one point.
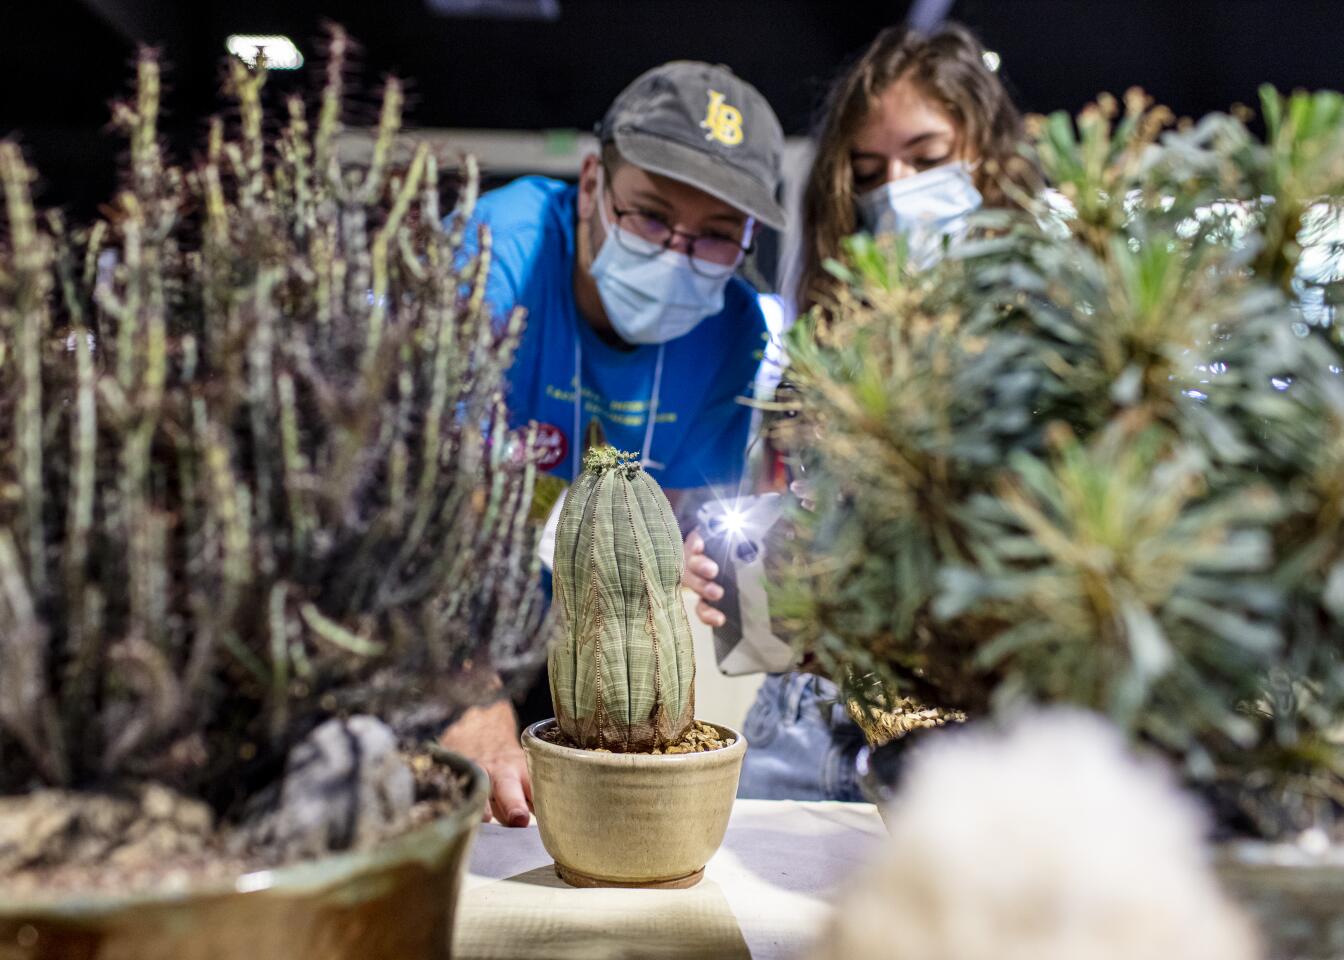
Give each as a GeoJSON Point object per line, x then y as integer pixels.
{"type": "Point", "coordinates": [622, 672]}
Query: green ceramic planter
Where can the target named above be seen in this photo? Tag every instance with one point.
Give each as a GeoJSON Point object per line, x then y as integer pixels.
{"type": "Point", "coordinates": [392, 903]}
{"type": "Point", "coordinates": [1295, 896]}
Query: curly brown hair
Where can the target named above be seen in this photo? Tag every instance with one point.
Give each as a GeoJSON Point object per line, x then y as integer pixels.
{"type": "Point", "coordinates": [947, 67]}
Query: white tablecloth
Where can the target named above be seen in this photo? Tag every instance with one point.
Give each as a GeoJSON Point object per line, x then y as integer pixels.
{"type": "Point", "coordinates": [765, 893]}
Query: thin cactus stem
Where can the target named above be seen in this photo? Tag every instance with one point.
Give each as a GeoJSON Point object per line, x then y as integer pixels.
{"type": "Point", "coordinates": [92, 249]}
{"type": "Point", "coordinates": [31, 320]}
{"type": "Point", "coordinates": [248, 156]}
{"type": "Point", "coordinates": [332, 632]}
{"type": "Point", "coordinates": [399, 460]}
{"type": "Point", "coordinates": [429, 198]}
{"type": "Point", "coordinates": [25, 707]}
{"type": "Point", "coordinates": [203, 543]}
{"type": "Point", "coordinates": [278, 628]}
{"type": "Point", "coordinates": [325, 280]}
{"type": "Point", "coordinates": [482, 272]}
{"type": "Point", "coordinates": [261, 402]}
{"type": "Point", "coordinates": [444, 333]}
{"type": "Point", "coordinates": [466, 203]}
{"type": "Point", "coordinates": [358, 265]}
{"type": "Point", "coordinates": [410, 260]}
{"type": "Point", "coordinates": [83, 640]}
{"type": "Point", "coordinates": [143, 670]}
{"type": "Point", "coordinates": [71, 298]}
{"type": "Point", "coordinates": [149, 322]}
{"type": "Point", "coordinates": [389, 122]}
{"type": "Point", "coordinates": [329, 113]}
{"type": "Point", "coordinates": [227, 509]}
{"type": "Point", "coordinates": [126, 308]}
{"type": "Point", "coordinates": [146, 159]}
{"type": "Point", "coordinates": [381, 243]}
{"type": "Point", "coordinates": [298, 154]}
{"type": "Point", "coordinates": [296, 472]}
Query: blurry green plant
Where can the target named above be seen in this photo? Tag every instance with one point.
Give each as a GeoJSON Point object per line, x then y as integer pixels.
{"type": "Point", "coordinates": [1097, 456]}
{"type": "Point", "coordinates": [254, 465]}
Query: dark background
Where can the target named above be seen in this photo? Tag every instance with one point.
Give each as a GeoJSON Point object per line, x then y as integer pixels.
{"type": "Point", "coordinates": [62, 60]}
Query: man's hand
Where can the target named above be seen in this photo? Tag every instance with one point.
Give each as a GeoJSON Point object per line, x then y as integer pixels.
{"type": "Point", "coordinates": [489, 736]}
{"type": "Point", "coordinates": [700, 573]}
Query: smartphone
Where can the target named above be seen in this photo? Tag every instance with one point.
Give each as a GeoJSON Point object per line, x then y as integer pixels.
{"type": "Point", "coordinates": [736, 534]}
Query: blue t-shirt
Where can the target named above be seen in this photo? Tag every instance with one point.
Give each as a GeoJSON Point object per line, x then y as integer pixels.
{"type": "Point", "coordinates": [700, 432]}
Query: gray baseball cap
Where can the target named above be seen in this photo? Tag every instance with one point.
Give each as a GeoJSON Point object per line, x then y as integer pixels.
{"type": "Point", "coordinates": [702, 125]}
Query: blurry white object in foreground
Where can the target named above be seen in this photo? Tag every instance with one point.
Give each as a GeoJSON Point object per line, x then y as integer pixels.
{"type": "Point", "coordinates": [1047, 842]}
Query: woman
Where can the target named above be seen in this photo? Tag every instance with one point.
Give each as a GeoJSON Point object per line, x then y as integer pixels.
{"type": "Point", "coordinates": [915, 136]}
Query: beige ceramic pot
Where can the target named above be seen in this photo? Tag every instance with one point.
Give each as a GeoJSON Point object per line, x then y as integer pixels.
{"type": "Point", "coordinates": [395, 902]}
{"type": "Point", "coordinates": [1295, 896]}
{"type": "Point", "coordinates": [631, 819]}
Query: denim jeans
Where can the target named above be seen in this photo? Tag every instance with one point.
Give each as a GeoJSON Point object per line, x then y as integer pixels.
{"type": "Point", "coordinates": [801, 744]}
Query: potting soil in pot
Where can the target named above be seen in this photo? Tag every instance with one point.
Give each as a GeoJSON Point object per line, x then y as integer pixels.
{"type": "Point", "coordinates": [700, 738]}
{"type": "Point", "coordinates": [346, 787]}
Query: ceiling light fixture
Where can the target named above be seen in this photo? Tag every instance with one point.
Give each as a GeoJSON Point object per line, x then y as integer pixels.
{"type": "Point", "coordinates": [280, 51]}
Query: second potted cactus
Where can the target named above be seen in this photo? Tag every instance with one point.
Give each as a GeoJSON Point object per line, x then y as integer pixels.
{"type": "Point", "coordinates": [629, 789]}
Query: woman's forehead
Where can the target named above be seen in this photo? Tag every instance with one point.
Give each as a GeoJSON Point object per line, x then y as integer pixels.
{"type": "Point", "coordinates": [899, 115]}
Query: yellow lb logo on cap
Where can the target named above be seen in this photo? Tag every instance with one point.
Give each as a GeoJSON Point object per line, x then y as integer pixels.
{"type": "Point", "coordinates": [723, 121]}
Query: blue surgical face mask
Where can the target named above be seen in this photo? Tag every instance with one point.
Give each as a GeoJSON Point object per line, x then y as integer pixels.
{"type": "Point", "coordinates": [651, 295]}
{"type": "Point", "coordinates": [924, 208]}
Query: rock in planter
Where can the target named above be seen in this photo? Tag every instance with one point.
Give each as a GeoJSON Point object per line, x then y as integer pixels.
{"type": "Point", "coordinates": [345, 787]}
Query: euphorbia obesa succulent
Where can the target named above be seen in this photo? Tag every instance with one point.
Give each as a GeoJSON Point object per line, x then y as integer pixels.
{"type": "Point", "coordinates": [622, 670]}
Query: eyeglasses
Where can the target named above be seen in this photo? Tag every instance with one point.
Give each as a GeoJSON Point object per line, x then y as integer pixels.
{"type": "Point", "coordinates": [711, 255]}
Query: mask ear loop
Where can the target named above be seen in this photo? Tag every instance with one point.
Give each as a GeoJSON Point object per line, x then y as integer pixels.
{"type": "Point", "coordinates": [601, 199]}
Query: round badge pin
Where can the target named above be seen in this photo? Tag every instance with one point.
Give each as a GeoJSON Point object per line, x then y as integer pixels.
{"type": "Point", "coordinates": [552, 446]}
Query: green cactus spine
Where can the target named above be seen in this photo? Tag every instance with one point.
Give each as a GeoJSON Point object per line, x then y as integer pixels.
{"type": "Point", "coordinates": [622, 670]}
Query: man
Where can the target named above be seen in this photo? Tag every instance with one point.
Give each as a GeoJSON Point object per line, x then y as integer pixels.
{"type": "Point", "coordinates": [635, 317]}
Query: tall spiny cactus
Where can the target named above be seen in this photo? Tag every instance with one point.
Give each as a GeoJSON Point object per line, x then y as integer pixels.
{"type": "Point", "coordinates": [622, 670]}
{"type": "Point", "coordinates": [254, 464]}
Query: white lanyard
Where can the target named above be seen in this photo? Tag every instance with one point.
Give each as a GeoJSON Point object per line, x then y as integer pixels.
{"type": "Point", "coordinates": [576, 438]}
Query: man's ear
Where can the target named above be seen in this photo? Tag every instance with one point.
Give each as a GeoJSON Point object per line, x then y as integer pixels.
{"type": "Point", "coordinates": [589, 181]}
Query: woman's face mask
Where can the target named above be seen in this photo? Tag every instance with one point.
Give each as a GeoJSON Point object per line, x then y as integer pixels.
{"type": "Point", "coordinates": [924, 208]}
{"type": "Point", "coordinates": [651, 294]}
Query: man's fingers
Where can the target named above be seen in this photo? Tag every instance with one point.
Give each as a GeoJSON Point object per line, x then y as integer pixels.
{"type": "Point", "coordinates": [709, 616]}
{"type": "Point", "coordinates": [508, 801]}
{"type": "Point", "coordinates": [701, 586]}
{"type": "Point", "coordinates": [702, 566]}
{"type": "Point", "coordinates": [695, 543]}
